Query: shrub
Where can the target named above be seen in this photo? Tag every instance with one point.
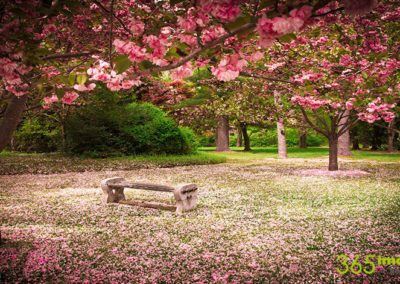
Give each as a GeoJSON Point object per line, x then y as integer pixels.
{"type": "Point", "coordinates": [132, 129]}
{"type": "Point", "coordinates": [37, 135]}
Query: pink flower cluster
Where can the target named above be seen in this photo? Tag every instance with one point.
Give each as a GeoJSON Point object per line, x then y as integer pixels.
{"type": "Point", "coordinates": [69, 98]}
{"type": "Point", "coordinates": [229, 67]}
{"type": "Point", "coordinates": [377, 110]}
{"type": "Point", "coordinates": [83, 88]}
{"type": "Point", "coordinates": [184, 71]}
{"type": "Point", "coordinates": [307, 76]}
{"type": "Point", "coordinates": [136, 27]}
{"type": "Point", "coordinates": [48, 101]}
{"type": "Point", "coordinates": [10, 73]}
{"type": "Point", "coordinates": [269, 29]}
{"type": "Point", "coordinates": [114, 81]}
{"type": "Point", "coordinates": [212, 33]}
{"type": "Point", "coordinates": [135, 53]}
{"type": "Point", "coordinates": [223, 10]}
{"type": "Point", "coordinates": [309, 101]}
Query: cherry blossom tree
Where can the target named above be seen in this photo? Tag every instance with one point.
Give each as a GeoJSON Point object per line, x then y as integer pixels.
{"type": "Point", "coordinates": [62, 48]}
{"type": "Point", "coordinates": [339, 72]}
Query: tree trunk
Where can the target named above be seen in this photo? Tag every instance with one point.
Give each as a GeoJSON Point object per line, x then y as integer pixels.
{"type": "Point", "coordinates": [222, 134]}
{"type": "Point", "coordinates": [391, 135]}
{"type": "Point", "coordinates": [344, 139]}
{"type": "Point", "coordinates": [239, 141]}
{"type": "Point", "coordinates": [282, 149]}
{"type": "Point", "coordinates": [356, 144]}
{"type": "Point", "coordinates": [246, 137]}
{"type": "Point", "coordinates": [11, 118]}
{"type": "Point", "coordinates": [333, 152]}
{"type": "Point", "coordinates": [303, 140]}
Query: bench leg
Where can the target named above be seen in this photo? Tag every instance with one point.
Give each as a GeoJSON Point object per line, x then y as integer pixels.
{"type": "Point", "coordinates": [112, 195]}
{"type": "Point", "coordinates": [119, 195]}
{"type": "Point", "coordinates": [185, 201]}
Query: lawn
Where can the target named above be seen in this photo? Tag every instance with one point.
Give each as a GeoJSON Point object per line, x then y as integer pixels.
{"type": "Point", "coordinates": [258, 220]}
{"type": "Point", "coordinates": [257, 153]}
{"type": "Point", "coordinates": [20, 163]}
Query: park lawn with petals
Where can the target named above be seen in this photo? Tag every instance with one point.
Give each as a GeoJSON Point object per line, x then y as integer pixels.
{"type": "Point", "coordinates": [256, 221]}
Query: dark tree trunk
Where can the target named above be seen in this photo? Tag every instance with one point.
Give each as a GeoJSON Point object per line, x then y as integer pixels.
{"type": "Point", "coordinates": [282, 149]}
{"type": "Point", "coordinates": [11, 118]}
{"type": "Point", "coordinates": [222, 134]}
{"type": "Point", "coordinates": [239, 141]}
{"type": "Point", "coordinates": [303, 140]}
{"type": "Point", "coordinates": [391, 135]}
{"type": "Point", "coordinates": [344, 139]}
{"type": "Point", "coordinates": [333, 152]}
{"type": "Point", "coordinates": [355, 143]}
{"type": "Point", "coordinates": [376, 138]}
{"type": "Point", "coordinates": [246, 137]}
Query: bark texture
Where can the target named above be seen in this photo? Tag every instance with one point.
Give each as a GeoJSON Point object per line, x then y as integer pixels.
{"type": "Point", "coordinates": [222, 140]}
{"type": "Point", "coordinates": [303, 140]}
{"type": "Point", "coordinates": [333, 153]}
{"type": "Point", "coordinates": [246, 137]}
{"type": "Point", "coordinates": [391, 135]}
{"type": "Point", "coordinates": [344, 139]}
{"type": "Point", "coordinates": [11, 118]}
{"type": "Point", "coordinates": [282, 149]}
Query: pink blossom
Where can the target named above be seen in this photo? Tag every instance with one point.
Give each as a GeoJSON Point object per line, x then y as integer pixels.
{"type": "Point", "coordinates": [256, 56]}
{"type": "Point", "coordinates": [69, 97]}
{"type": "Point", "coordinates": [309, 101]}
{"type": "Point", "coordinates": [212, 33]}
{"type": "Point", "coordinates": [83, 88]}
{"type": "Point", "coordinates": [50, 100]}
{"type": "Point", "coordinates": [345, 60]}
{"type": "Point", "coordinates": [303, 13]}
{"type": "Point", "coordinates": [350, 104]}
{"type": "Point", "coordinates": [183, 71]}
{"type": "Point", "coordinates": [229, 67]}
{"type": "Point", "coordinates": [114, 84]}
{"type": "Point", "coordinates": [188, 39]}
{"type": "Point", "coordinates": [187, 24]}
{"type": "Point", "coordinates": [226, 12]}
{"type": "Point", "coordinates": [136, 27]}
{"type": "Point", "coordinates": [127, 84]}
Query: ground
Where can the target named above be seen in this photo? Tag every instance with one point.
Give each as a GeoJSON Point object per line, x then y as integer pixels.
{"type": "Point", "coordinates": [258, 220]}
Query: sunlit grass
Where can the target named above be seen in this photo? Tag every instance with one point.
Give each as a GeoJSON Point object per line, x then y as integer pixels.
{"type": "Point", "coordinates": [258, 153]}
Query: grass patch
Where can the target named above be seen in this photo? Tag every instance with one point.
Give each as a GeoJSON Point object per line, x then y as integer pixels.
{"type": "Point", "coordinates": [258, 153]}
{"type": "Point", "coordinates": [27, 163]}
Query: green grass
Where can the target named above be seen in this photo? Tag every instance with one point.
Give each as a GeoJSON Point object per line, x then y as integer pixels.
{"type": "Point", "coordinates": [24, 163]}
{"type": "Point", "coordinates": [258, 153]}
{"type": "Point", "coordinates": [20, 163]}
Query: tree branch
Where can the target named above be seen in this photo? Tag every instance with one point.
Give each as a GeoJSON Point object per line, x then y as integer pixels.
{"type": "Point", "coordinates": [115, 16]}
{"type": "Point", "coordinates": [307, 119]}
{"type": "Point", "coordinates": [197, 51]}
{"type": "Point", "coordinates": [347, 127]}
{"type": "Point", "coordinates": [70, 55]}
{"type": "Point", "coordinates": [329, 12]}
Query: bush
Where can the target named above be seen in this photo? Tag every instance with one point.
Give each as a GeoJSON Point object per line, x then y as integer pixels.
{"type": "Point", "coordinates": [123, 130]}
{"type": "Point", "coordinates": [37, 135]}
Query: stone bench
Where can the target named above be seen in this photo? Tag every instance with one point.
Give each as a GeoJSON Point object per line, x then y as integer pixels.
{"type": "Point", "coordinates": [185, 194]}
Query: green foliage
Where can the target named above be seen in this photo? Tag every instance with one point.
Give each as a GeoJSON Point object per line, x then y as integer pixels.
{"type": "Point", "coordinates": [113, 129]}
{"type": "Point", "coordinates": [37, 135]}
{"type": "Point", "coordinates": [267, 137]}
